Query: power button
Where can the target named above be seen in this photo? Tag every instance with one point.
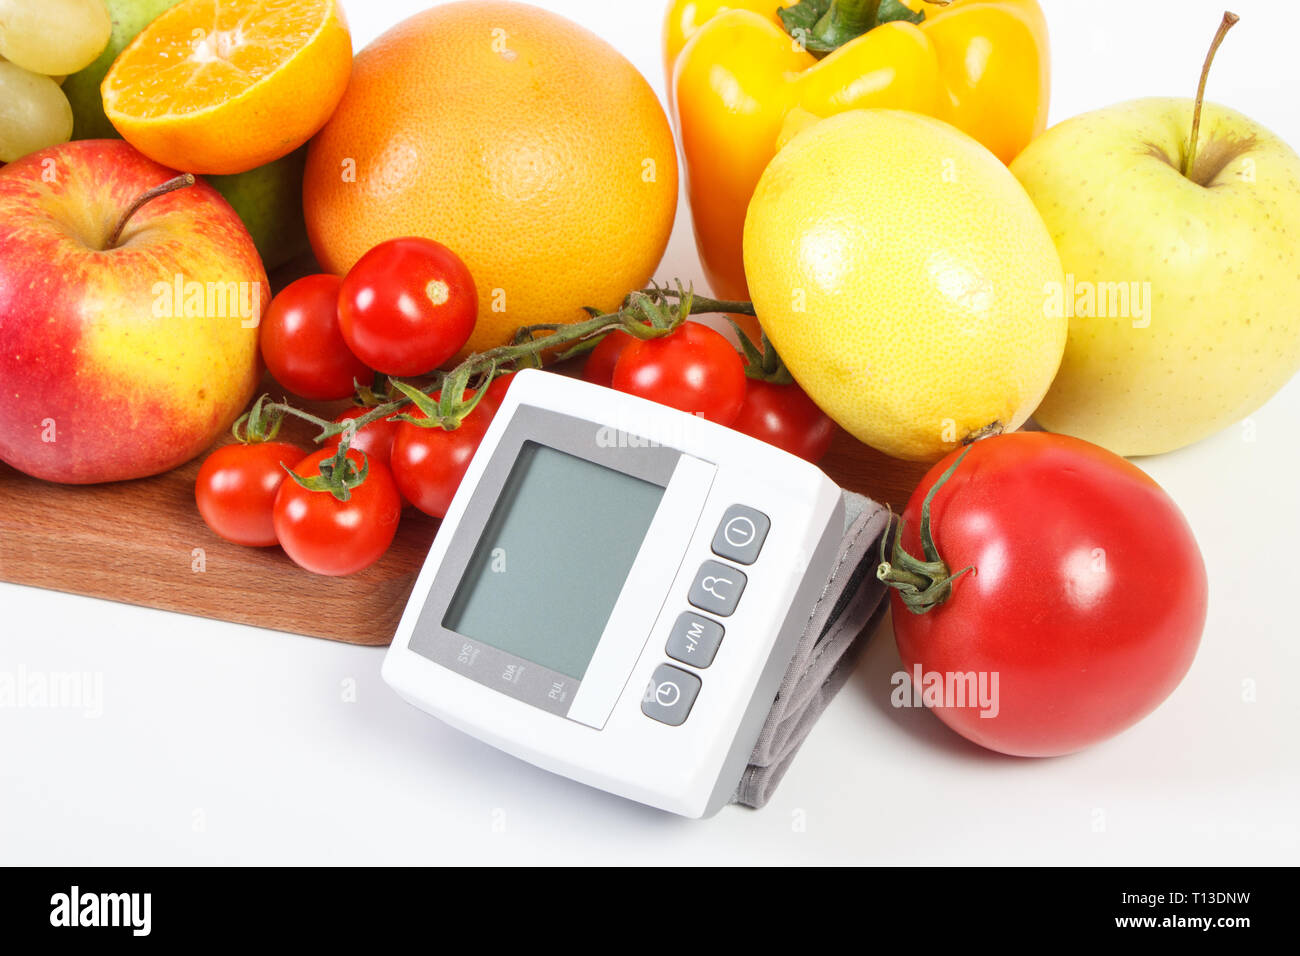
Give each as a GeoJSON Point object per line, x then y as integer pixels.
{"type": "Point", "coordinates": [740, 534]}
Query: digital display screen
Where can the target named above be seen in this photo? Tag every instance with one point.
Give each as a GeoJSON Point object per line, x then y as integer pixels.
{"type": "Point", "coordinates": [549, 567]}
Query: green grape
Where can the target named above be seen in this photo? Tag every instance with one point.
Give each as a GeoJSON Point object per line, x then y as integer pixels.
{"type": "Point", "coordinates": [34, 113]}
{"type": "Point", "coordinates": [53, 36]}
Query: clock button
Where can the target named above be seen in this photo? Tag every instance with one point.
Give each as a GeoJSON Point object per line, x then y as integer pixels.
{"type": "Point", "coordinates": [740, 534]}
{"type": "Point", "coordinates": [717, 588]}
{"type": "Point", "coordinates": [694, 640]}
{"type": "Point", "coordinates": [669, 695]}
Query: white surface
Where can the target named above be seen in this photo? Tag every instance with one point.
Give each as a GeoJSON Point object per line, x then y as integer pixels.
{"type": "Point", "coordinates": [674, 768]}
{"type": "Point", "coordinates": [223, 743]}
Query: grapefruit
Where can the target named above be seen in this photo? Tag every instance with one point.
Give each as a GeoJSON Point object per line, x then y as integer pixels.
{"type": "Point", "coordinates": [518, 139]}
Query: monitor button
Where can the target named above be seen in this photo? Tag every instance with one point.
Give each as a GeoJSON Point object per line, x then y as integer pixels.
{"type": "Point", "coordinates": [694, 640]}
{"type": "Point", "coordinates": [717, 588]}
{"type": "Point", "coordinates": [740, 534]}
{"type": "Point", "coordinates": [669, 695]}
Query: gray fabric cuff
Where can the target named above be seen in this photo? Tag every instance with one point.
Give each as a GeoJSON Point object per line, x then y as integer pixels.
{"type": "Point", "coordinates": [849, 606]}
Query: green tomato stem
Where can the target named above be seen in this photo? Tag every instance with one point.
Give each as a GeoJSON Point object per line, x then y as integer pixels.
{"type": "Point", "coordinates": [922, 585]}
{"type": "Point", "coordinates": [337, 476]}
{"type": "Point", "coordinates": [762, 363]}
{"type": "Point", "coordinates": [260, 423]}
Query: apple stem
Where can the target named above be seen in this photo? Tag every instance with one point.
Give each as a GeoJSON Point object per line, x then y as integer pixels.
{"type": "Point", "coordinates": [1225, 25]}
{"type": "Point", "coordinates": [179, 182]}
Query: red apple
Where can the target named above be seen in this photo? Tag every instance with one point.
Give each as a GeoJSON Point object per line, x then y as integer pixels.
{"type": "Point", "coordinates": [119, 358]}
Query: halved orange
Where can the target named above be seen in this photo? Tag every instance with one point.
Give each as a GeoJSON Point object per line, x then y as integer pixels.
{"type": "Point", "coordinates": [222, 86]}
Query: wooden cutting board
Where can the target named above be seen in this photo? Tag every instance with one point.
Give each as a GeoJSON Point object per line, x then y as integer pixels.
{"type": "Point", "coordinates": [143, 542]}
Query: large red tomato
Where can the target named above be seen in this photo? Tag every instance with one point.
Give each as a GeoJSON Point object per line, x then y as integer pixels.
{"type": "Point", "coordinates": [1086, 595]}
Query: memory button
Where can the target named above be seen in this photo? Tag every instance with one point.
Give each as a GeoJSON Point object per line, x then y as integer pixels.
{"type": "Point", "coordinates": [694, 639]}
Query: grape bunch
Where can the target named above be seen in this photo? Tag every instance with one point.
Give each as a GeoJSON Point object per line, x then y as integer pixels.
{"type": "Point", "coordinates": [41, 42]}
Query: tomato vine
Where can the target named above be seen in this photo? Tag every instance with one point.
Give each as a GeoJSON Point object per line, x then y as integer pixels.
{"type": "Point", "coordinates": [444, 399]}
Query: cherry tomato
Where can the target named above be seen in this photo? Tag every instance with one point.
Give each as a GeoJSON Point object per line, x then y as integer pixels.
{"type": "Point", "coordinates": [692, 368]}
{"type": "Point", "coordinates": [784, 416]}
{"type": "Point", "coordinates": [407, 306]}
{"type": "Point", "coordinates": [1086, 600]}
{"type": "Point", "coordinates": [236, 488]}
{"type": "Point", "coordinates": [328, 536]}
{"type": "Point", "coordinates": [375, 439]}
{"type": "Point", "coordinates": [428, 463]}
{"type": "Point", "coordinates": [602, 359]}
{"type": "Point", "coordinates": [301, 342]}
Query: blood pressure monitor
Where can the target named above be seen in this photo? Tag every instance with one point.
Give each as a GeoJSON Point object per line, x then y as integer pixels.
{"type": "Point", "coordinates": [617, 591]}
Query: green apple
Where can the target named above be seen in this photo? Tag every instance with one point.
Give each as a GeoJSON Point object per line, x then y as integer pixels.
{"type": "Point", "coordinates": [1181, 283]}
{"type": "Point", "coordinates": [82, 88]}
{"type": "Point", "coordinates": [269, 200]}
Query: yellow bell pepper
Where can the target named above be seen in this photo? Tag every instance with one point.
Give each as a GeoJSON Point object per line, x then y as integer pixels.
{"type": "Point", "coordinates": [742, 84]}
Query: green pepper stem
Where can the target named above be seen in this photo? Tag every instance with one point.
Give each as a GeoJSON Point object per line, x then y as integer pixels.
{"type": "Point", "coordinates": [845, 20]}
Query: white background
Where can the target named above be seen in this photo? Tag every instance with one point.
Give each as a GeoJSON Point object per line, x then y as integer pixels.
{"type": "Point", "coordinates": [222, 743]}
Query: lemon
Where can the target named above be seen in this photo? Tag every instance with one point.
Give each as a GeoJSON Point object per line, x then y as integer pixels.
{"type": "Point", "coordinates": [906, 279]}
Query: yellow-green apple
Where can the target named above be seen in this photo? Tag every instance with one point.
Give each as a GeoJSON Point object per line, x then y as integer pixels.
{"type": "Point", "coordinates": [120, 355]}
{"type": "Point", "coordinates": [268, 199]}
{"type": "Point", "coordinates": [1182, 277]}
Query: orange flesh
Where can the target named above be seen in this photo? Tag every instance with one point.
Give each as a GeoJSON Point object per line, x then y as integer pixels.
{"type": "Point", "coordinates": [205, 53]}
